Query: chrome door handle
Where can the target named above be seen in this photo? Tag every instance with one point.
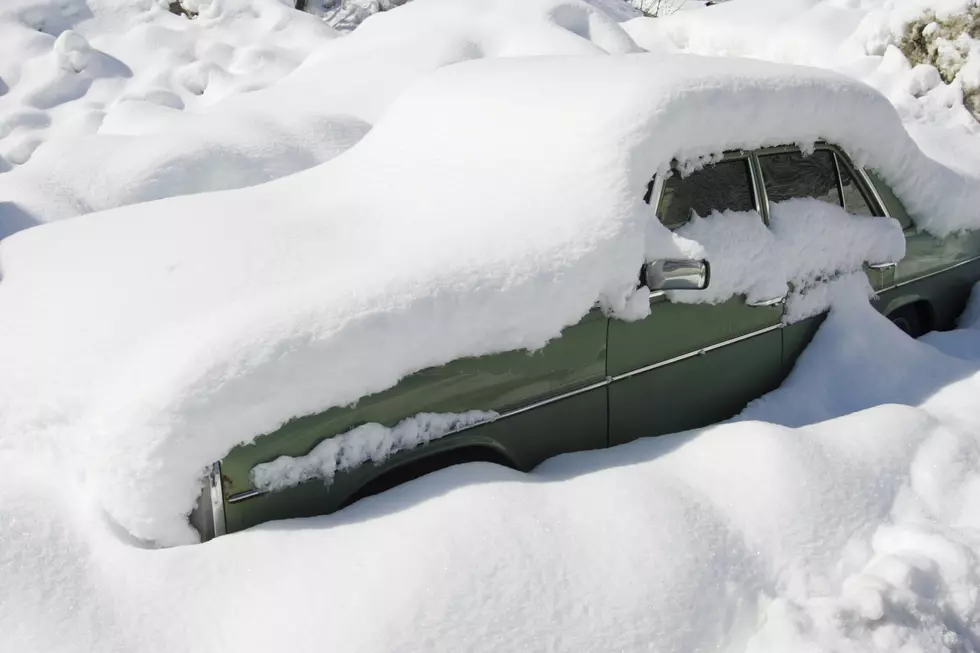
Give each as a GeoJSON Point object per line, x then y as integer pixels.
{"type": "Point", "coordinates": [772, 301]}
{"type": "Point", "coordinates": [888, 265]}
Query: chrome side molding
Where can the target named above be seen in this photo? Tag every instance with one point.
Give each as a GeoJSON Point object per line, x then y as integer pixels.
{"type": "Point", "coordinates": [772, 301]}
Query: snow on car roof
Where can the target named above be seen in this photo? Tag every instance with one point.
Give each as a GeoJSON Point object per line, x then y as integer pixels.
{"type": "Point", "coordinates": [491, 207]}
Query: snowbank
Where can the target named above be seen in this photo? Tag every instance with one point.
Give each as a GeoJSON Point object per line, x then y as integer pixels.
{"type": "Point", "coordinates": [245, 92]}
{"type": "Point", "coordinates": [854, 534]}
{"type": "Point", "coordinates": [858, 39]}
{"type": "Point", "coordinates": [494, 204]}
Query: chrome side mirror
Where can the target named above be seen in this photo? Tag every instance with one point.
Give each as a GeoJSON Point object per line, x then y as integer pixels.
{"type": "Point", "coordinates": [677, 274]}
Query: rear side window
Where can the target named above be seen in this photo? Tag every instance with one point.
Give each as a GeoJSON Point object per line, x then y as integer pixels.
{"type": "Point", "coordinates": [790, 175]}
{"type": "Point", "coordinates": [719, 187]}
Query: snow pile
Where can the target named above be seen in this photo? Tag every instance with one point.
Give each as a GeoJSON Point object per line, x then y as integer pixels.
{"type": "Point", "coordinates": [854, 534]}
{"type": "Point", "coordinates": [243, 93]}
{"type": "Point", "coordinates": [861, 40]}
{"type": "Point", "coordinates": [345, 15]}
{"type": "Point", "coordinates": [365, 443]}
{"type": "Point", "coordinates": [110, 102]}
{"type": "Point", "coordinates": [807, 242]}
{"type": "Point", "coordinates": [141, 344]}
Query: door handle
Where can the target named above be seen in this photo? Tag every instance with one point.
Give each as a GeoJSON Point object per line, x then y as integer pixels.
{"type": "Point", "coordinates": [772, 301]}
{"type": "Point", "coordinates": [888, 265]}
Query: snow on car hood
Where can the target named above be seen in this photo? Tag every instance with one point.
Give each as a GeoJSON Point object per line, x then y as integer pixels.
{"type": "Point", "coordinates": [491, 207]}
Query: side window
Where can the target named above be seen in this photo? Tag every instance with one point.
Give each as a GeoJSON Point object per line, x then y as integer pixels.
{"type": "Point", "coordinates": [790, 175]}
{"type": "Point", "coordinates": [894, 205]}
{"type": "Point", "coordinates": [854, 199]}
{"type": "Point", "coordinates": [719, 187]}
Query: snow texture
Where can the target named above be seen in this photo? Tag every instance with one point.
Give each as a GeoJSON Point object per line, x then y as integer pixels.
{"type": "Point", "coordinates": [858, 39]}
{"type": "Point", "coordinates": [807, 242]}
{"type": "Point", "coordinates": [246, 92]}
{"type": "Point", "coordinates": [365, 443]}
{"type": "Point", "coordinates": [172, 331]}
{"type": "Point", "coordinates": [169, 336]}
{"type": "Point", "coordinates": [777, 532]}
{"type": "Point", "coordinates": [421, 217]}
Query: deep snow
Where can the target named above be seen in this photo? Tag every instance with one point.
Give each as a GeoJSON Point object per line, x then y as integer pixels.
{"type": "Point", "coordinates": [854, 534]}
{"type": "Point", "coordinates": [137, 345]}
{"type": "Point", "coordinates": [143, 343]}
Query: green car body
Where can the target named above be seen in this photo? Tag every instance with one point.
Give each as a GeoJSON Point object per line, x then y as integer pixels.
{"type": "Point", "coordinates": [603, 382]}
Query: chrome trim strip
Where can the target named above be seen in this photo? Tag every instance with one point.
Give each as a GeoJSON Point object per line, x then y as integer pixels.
{"type": "Point", "coordinates": [772, 301]}
{"type": "Point", "coordinates": [888, 265]}
{"type": "Point", "coordinates": [699, 352]}
{"type": "Point", "coordinates": [930, 274]}
{"type": "Point", "coordinates": [840, 178]}
{"type": "Point", "coordinates": [539, 404]}
{"type": "Point", "coordinates": [217, 500]}
{"type": "Point", "coordinates": [247, 494]}
{"type": "Point", "coordinates": [251, 493]}
{"type": "Point", "coordinates": [863, 174]}
{"type": "Point", "coordinates": [759, 194]}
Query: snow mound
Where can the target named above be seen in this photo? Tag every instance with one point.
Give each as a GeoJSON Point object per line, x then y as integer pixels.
{"type": "Point", "coordinates": [861, 40]}
{"type": "Point", "coordinates": [143, 343]}
{"type": "Point", "coordinates": [853, 534]}
{"type": "Point", "coordinates": [110, 103]}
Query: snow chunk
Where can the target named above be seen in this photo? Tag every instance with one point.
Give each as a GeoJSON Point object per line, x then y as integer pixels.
{"type": "Point", "coordinates": [72, 51]}
{"type": "Point", "coordinates": [365, 443]}
{"type": "Point", "coordinates": [807, 243]}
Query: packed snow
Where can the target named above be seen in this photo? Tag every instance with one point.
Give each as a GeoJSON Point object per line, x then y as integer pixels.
{"type": "Point", "coordinates": [243, 203]}
{"type": "Point", "coordinates": [806, 242]}
{"type": "Point", "coordinates": [773, 533]}
{"type": "Point", "coordinates": [858, 39]}
{"type": "Point", "coordinates": [365, 443]}
{"type": "Point", "coordinates": [165, 327]}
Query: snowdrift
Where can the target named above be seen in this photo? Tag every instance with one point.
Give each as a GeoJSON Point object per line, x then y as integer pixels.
{"type": "Point", "coordinates": [494, 205]}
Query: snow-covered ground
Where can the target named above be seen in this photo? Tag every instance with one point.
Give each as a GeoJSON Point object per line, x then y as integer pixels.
{"type": "Point", "coordinates": [428, 215]}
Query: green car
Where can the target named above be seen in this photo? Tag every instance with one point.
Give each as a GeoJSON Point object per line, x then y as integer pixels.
{"type": "Point", "coordinates": [607, 381]}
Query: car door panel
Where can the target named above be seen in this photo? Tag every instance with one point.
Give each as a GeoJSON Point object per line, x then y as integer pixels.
{"type": "Point", "coordinates": [564, 383]}
{"type": "Point", "coordinates": [689, 365]}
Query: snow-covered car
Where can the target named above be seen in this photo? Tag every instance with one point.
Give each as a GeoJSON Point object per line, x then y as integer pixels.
{"type": "Point", "coordinates": [608, 380]}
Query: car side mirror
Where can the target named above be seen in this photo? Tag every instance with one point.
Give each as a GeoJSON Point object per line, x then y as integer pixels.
{"type": "Point", "coordinates": [677, 274]}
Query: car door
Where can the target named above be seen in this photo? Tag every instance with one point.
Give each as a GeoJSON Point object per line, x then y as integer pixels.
{"type": "Point", "coordinates": [828, 175]}
{"type": "Point", "coordinates": [690, 365]}
{"type": "Point", "coordinates": [548, 402]}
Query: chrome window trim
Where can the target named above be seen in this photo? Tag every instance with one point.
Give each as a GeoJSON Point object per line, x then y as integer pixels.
{"type": "Point", "coordinates": [217, 500]}
{"type": "Point", "coordinates": [759, 188]}
{"type": "Point", "coordinates": [840, 179]}
{"type": "Point", "coordinates": [876, 196]}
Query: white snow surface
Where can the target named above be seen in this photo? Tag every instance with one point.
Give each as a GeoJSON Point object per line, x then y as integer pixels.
{"type": "Point", "coordinates": [807, 242]}
{"type": "Point", "coordinates": [143, 343]}
{"type": "Point", "coordinates": [487, 207]}
{"type": "Point", "coordinates": [859, 39]}
{"type": "Point", "coordinates": [777, 532]}
{"type": "Point", "coordinates": [249, 90]}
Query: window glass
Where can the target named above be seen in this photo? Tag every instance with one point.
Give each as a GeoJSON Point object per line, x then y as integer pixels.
{"type": "Point", "coordinates": [854, 199]}
{"type": "Point", "coordinates": [791, 174]}
{"type": "Point", "coordinates": [719, 187]}
{"type": "Point", "coordinates": [894, 205]}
